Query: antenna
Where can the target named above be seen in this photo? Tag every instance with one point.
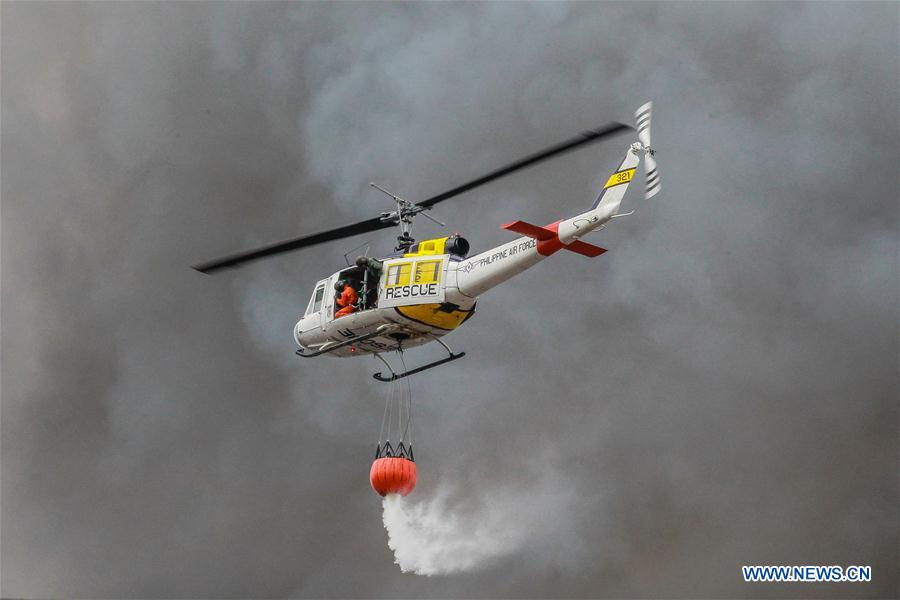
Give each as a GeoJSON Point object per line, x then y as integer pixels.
{"type": "Point", "coordinates": [366, 253]}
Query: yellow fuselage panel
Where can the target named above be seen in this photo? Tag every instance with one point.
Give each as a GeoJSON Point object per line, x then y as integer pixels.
{"type": "Point", "coordinates": [431, 314]}
{"type": "Point", "coordinates": [428, 248]}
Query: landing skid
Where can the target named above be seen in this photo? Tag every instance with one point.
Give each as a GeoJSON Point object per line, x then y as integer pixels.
{"type": "Point", "coordinates": [395, 376]}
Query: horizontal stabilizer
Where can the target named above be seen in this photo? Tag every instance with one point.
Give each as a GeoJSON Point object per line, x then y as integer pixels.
{"type": "Point", "coordinates": [545, 234]}
{"type": "Point", "coordinates": [585, 249]}
{"type": "Point", "coordinates": [532, 231]}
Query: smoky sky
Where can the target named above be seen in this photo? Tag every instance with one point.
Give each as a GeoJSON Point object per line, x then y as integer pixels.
{"type": "Point", "coordinates": [719, 389]}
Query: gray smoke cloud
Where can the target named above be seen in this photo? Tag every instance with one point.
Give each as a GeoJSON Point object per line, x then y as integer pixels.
{"type": "Point", "coordinates": [718, 389]}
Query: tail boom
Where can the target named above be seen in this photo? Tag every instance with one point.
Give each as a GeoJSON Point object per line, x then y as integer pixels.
{"type": "Point", "coordinates": [484, 271]}
{"type": "Point", "coordinates": [480, 273]}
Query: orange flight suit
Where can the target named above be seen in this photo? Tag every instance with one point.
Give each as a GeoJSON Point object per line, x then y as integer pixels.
{"type": "Point", "coordinates": [346, 300]}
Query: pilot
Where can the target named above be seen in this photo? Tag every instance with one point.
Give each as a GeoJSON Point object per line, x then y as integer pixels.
{"type": "Point", "coordinates": [346, 299]}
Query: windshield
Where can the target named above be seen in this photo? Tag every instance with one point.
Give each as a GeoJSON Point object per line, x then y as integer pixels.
{"type": "Point", "coordinates": [315, 303]}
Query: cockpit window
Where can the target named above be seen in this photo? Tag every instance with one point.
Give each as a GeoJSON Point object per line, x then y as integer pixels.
{"type": "Point", "coordinates": [315, 303]}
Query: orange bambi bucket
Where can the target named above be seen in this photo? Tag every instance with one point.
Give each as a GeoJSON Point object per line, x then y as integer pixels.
{"type": "Point", "coordinates": [393, 475]}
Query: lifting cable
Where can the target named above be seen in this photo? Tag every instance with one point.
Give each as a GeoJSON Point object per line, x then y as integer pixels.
{"type": "Point", "coordinates": [400, 403]}
{"type": "Point", "coordinates": [384, 418]}
{"type": "Point", "coordinates": [401, 392]}
{"type": "Point", "coordinates": [407, 431]}
{"type": "Point", "coordinates": [388, 415]}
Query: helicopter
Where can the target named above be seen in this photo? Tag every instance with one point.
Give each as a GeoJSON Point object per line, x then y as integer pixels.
{"type": "Point", "coordinates": [427, 289]}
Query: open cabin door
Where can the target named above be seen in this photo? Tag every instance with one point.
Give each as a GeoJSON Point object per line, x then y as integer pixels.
{"type": "Point", "coordinates": [414, 280]}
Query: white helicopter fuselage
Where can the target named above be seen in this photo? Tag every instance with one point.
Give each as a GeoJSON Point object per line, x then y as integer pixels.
{"type": "Point", "coordinates": [426, 294]}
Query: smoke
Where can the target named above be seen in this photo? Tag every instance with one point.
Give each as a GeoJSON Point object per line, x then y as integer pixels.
{"type": "Point", "coordinates": [428, 538]}
{"type": "Point", "coordinates": [728, 367]}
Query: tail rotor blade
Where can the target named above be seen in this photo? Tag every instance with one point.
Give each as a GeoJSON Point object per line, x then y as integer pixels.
{"type": "Point", "coordinates": [653, 186]}
{"type": "Point", "coordinates": [642, 122]}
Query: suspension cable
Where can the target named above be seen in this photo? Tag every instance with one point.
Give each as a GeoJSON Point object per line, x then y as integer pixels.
{"type": "Point", "coordinates": [384, 417]}
{"type": "Point", "coordinates": [392, 389]}
{"type": "Point", "coordinates": [400, 409]}
{"type": "Point", "coordinates": [401, 392]}
{"type": "Point", "coordinates": [407, 433]}
{"type": "Point", "coordinates": [409, 411]}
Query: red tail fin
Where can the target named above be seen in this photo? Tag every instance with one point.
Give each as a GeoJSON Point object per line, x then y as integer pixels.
{"type": "Point", "coordinates": [548, 241]}
{"type": "Point", "coordinates": [532, 231]}
{"type": "Point", "coordinates": [585, 249]}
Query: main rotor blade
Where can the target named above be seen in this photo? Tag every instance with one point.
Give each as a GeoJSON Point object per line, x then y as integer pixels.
{"type": "Point", "coordinates": [586, 137]}
{"type": "Point", "coordinates": [236, 260]}
{"type": "Point", "coordinates": [375, 223]}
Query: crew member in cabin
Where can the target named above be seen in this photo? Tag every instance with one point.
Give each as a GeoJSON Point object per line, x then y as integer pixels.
{"type": "Point", "coordinates": [346, 298]}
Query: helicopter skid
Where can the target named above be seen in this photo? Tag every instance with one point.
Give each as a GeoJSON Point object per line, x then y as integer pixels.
{"type": "Point", "coordinates": [395, 376]}
{"type": "Point", "coordinates": [431, 365]}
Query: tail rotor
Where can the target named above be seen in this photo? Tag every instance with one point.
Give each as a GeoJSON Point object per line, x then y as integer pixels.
{"type": "Point", "coordinates": [642, 121]}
